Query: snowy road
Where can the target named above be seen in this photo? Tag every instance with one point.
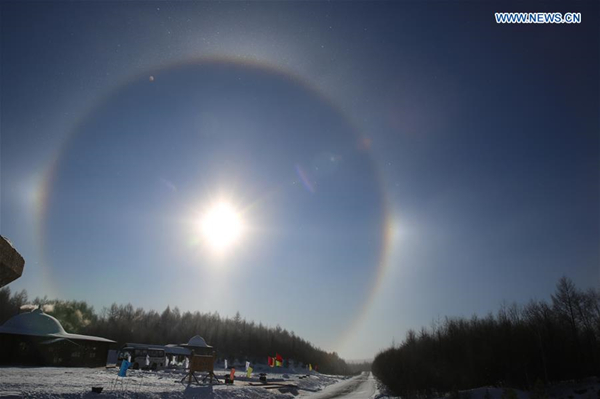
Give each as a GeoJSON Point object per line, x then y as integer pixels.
{"type": "Point", "coordinates": [360, 387]}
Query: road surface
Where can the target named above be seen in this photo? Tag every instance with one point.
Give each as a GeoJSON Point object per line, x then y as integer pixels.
{"type": "Point", "coordinates": [360, 387]}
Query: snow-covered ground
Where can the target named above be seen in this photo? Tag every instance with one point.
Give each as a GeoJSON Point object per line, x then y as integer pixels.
{"type": "Point", "coordinates": [363, 386]}
{"type": "Point", "coordinates": [583, 389]}
{"type": "Point", "coordinates": [55, 382]}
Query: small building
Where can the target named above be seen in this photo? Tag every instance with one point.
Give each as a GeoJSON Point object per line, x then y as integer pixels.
{"type": "Point", "coordinates": [176, 353]}
{"type": "Point", "coordinates": [38, 339]}
{"type": "Point", "coordinates": [173, 355]}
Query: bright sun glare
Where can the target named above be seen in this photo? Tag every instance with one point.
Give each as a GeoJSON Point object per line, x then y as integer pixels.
{"type": "Point", "coordinates": [221, 226]}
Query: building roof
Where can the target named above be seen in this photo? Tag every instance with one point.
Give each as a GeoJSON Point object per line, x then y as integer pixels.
{"type": "Point", "coordinates": [172, 349]}
{"type": "Point", "coordinates": [39, 324]}
{"type": "Point", "coordinates": [196, 342]}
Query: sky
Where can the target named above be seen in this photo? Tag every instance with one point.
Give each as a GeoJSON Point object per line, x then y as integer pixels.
{"type": "Point", "coordinates": [386, 164]}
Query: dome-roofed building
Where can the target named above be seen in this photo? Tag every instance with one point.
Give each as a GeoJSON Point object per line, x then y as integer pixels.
{"type": "Point", "coordinates": [199, 346]}
{"type": "Point", "coordinates": [36, 338]}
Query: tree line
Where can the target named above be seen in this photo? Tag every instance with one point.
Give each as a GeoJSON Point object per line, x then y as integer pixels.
{"type": "Point", "coordinates": [520, 347]}
{"type": "Point", "coordinates": [233, 338]}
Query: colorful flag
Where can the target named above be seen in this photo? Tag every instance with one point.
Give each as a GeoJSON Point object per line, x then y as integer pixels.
{"type": "Point", "coordinates": [309, 367]}
{"type": "Point", "coordinates": [249, 372]}
{"type": "Point", "coordinates": [277, 363]}
{"type": "Point", "coordinates": [271, 361]}
{"type": "Point", "coordinates": [279, 358]}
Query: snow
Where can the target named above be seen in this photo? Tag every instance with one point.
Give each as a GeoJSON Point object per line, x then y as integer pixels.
{"type": "Point", "coordinates": [588, 388]}
{"type": "Point", "coordinates": [583, 389]}
{"type": "Point", "coordinates": [60, 382]}
{"type": "Point", "coordinates": [363, 386]}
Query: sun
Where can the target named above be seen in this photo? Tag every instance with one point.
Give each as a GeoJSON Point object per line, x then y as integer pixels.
{"type": "Point", "coordinates": [221, 226]}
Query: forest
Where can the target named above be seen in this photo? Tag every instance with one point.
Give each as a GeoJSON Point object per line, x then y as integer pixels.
{"type": "Point", "coordinates": [234, 338]}
{"type": "Point", "coordinates": [518, 347]}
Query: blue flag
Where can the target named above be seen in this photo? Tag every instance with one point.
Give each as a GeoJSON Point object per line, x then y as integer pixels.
{"type": "Point", "coordinates": [124, 366]}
